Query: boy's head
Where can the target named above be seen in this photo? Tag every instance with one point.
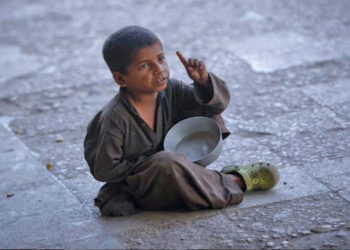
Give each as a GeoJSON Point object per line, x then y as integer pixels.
{"type": "Point", "coordinates": [122, 45]}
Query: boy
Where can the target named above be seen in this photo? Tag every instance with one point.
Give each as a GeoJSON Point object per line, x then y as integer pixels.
{"type": "Point", "coordinates": [124, 141]}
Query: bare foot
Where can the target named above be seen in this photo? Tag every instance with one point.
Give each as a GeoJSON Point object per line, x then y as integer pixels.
{"type": "Point", "coordinates": [238, 180]}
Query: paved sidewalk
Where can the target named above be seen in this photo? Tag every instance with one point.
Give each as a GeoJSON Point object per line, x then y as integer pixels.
{"type": "Point", "coordinates": [287, 65]}
{"type": "Point", "coordinates": [37, 210]}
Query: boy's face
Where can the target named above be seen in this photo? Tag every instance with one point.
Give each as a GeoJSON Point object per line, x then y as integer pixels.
{"type": "Point", "coordinates": [148, 72]}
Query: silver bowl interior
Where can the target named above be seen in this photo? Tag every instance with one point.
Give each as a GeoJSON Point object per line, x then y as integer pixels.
{"type": "Point", "coordinates": [199, 138]}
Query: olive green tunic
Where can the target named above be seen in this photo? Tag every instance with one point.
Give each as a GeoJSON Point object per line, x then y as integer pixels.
{"type": "Point", "coordinates": [123, 151]}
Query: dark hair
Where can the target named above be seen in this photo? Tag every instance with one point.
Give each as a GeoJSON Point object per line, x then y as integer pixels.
{"type": "Point", "coordinates": [121, 46]}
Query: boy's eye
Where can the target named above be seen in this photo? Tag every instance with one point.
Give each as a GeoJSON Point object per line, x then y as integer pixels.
{"type": "Point", "coordinates": [143, 66]}
{"type": "Point", "coordinates": [161, 58]}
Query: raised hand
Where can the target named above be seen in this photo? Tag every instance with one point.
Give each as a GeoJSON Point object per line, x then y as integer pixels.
{"type": "Point", "coordinates": [195, 68]}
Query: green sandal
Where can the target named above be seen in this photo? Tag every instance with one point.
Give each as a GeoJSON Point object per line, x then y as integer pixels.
{"type": "Point", "coordinates": [257, 176]}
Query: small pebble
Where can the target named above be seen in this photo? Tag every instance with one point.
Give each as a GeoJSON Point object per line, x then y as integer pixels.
{"type": "Point", "coordinates": [226, 242]}
{"type": "Point", "coordinates": [59, 139]}
{"type": "Point", "coordinates": [49, 166]}
{"type": "Point", "coordinates": [317, 230]}
{"type": "Point", "coordinates": [294, 235]}
{"type": "Point", "coordinates": [276, 236]}
{"type": "Point", "coordinates": [329, 244]}
{"type": "Point", "coordinates": [270, 244]}
{"type": "Point", "coordinates": [282, 215]}
{"type": "Point", "coordinates": [306, 232]}
{"type": "Point", "coordinates": [56, 105]}
{"type": "Point", "coordinates": [278, 230]}
{"type": "Point", "coordinates": [285, 242]}
{"type": "Point", "coordinates": [8, 195]}
{"type": "Point", "coordinates": [341, 234]}
{"type": "Point", "coordinates": [322, 229]}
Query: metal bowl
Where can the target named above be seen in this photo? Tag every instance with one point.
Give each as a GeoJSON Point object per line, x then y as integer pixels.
{"type": "Point", "coordinates": [199, 138]}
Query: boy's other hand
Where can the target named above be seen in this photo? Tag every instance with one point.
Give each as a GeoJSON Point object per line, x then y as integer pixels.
{"type": "Point", "coordinates": [195, 68]}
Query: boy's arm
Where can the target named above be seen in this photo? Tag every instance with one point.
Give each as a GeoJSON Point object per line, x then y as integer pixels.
{"type": "Point", "coordinates": [103, 153]}
{"type": "Point", "coordinates": [214, 96]}
{"type": "Point", "coordinates": [208, 96]}
{"type": "Point", "coordinates": [109, 165]}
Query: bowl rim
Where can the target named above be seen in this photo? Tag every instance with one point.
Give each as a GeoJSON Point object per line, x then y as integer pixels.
{"type": "Point", "coordinates": [218, 142]}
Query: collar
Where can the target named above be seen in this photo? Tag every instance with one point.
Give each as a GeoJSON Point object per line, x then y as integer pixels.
{"type": "Point", "coordinates": [124, 97]}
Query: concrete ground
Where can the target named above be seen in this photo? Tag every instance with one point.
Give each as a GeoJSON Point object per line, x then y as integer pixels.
{"type": "Point", "coordinates": [287, 64]}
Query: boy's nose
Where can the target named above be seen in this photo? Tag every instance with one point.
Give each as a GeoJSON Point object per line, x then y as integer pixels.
{"type": "Point", "coordinates": [159, 68]}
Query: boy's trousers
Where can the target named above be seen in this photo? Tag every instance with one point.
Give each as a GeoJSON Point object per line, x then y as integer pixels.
{"type": "Point", "coordinates": [168, 180]}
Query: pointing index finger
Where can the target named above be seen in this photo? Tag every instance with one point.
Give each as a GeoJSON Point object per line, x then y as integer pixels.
{"type": "Point", "coordinates": [182, 59]}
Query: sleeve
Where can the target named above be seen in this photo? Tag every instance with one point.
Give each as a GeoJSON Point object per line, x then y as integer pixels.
{"type": "Point", "coordinates": [103, 151]}
{"type": "Point", "coordinates": [109, 165]}
{"type": "Point", "coordinates": [199, 100]}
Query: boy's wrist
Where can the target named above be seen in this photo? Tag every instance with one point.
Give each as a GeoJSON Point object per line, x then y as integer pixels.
{"type": "Point", "coordinates": [205, 90]}
{"type": "Point", "coordinates": [204, 82]}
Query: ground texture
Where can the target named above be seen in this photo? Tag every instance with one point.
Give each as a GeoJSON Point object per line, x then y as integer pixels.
{"type": "Point", "coordinates": [287, 64]}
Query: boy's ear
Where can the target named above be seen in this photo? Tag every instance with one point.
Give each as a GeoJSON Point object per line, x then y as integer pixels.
{"type": "Point", "coordinates": [119, 79]}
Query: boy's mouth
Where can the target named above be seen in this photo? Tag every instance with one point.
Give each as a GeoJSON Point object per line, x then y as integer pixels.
{"type": "Point", "coordinates": [162, 80]}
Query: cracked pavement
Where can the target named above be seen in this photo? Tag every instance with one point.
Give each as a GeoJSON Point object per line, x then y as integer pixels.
{"type": "Point", "coordinates": [287, 65]}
